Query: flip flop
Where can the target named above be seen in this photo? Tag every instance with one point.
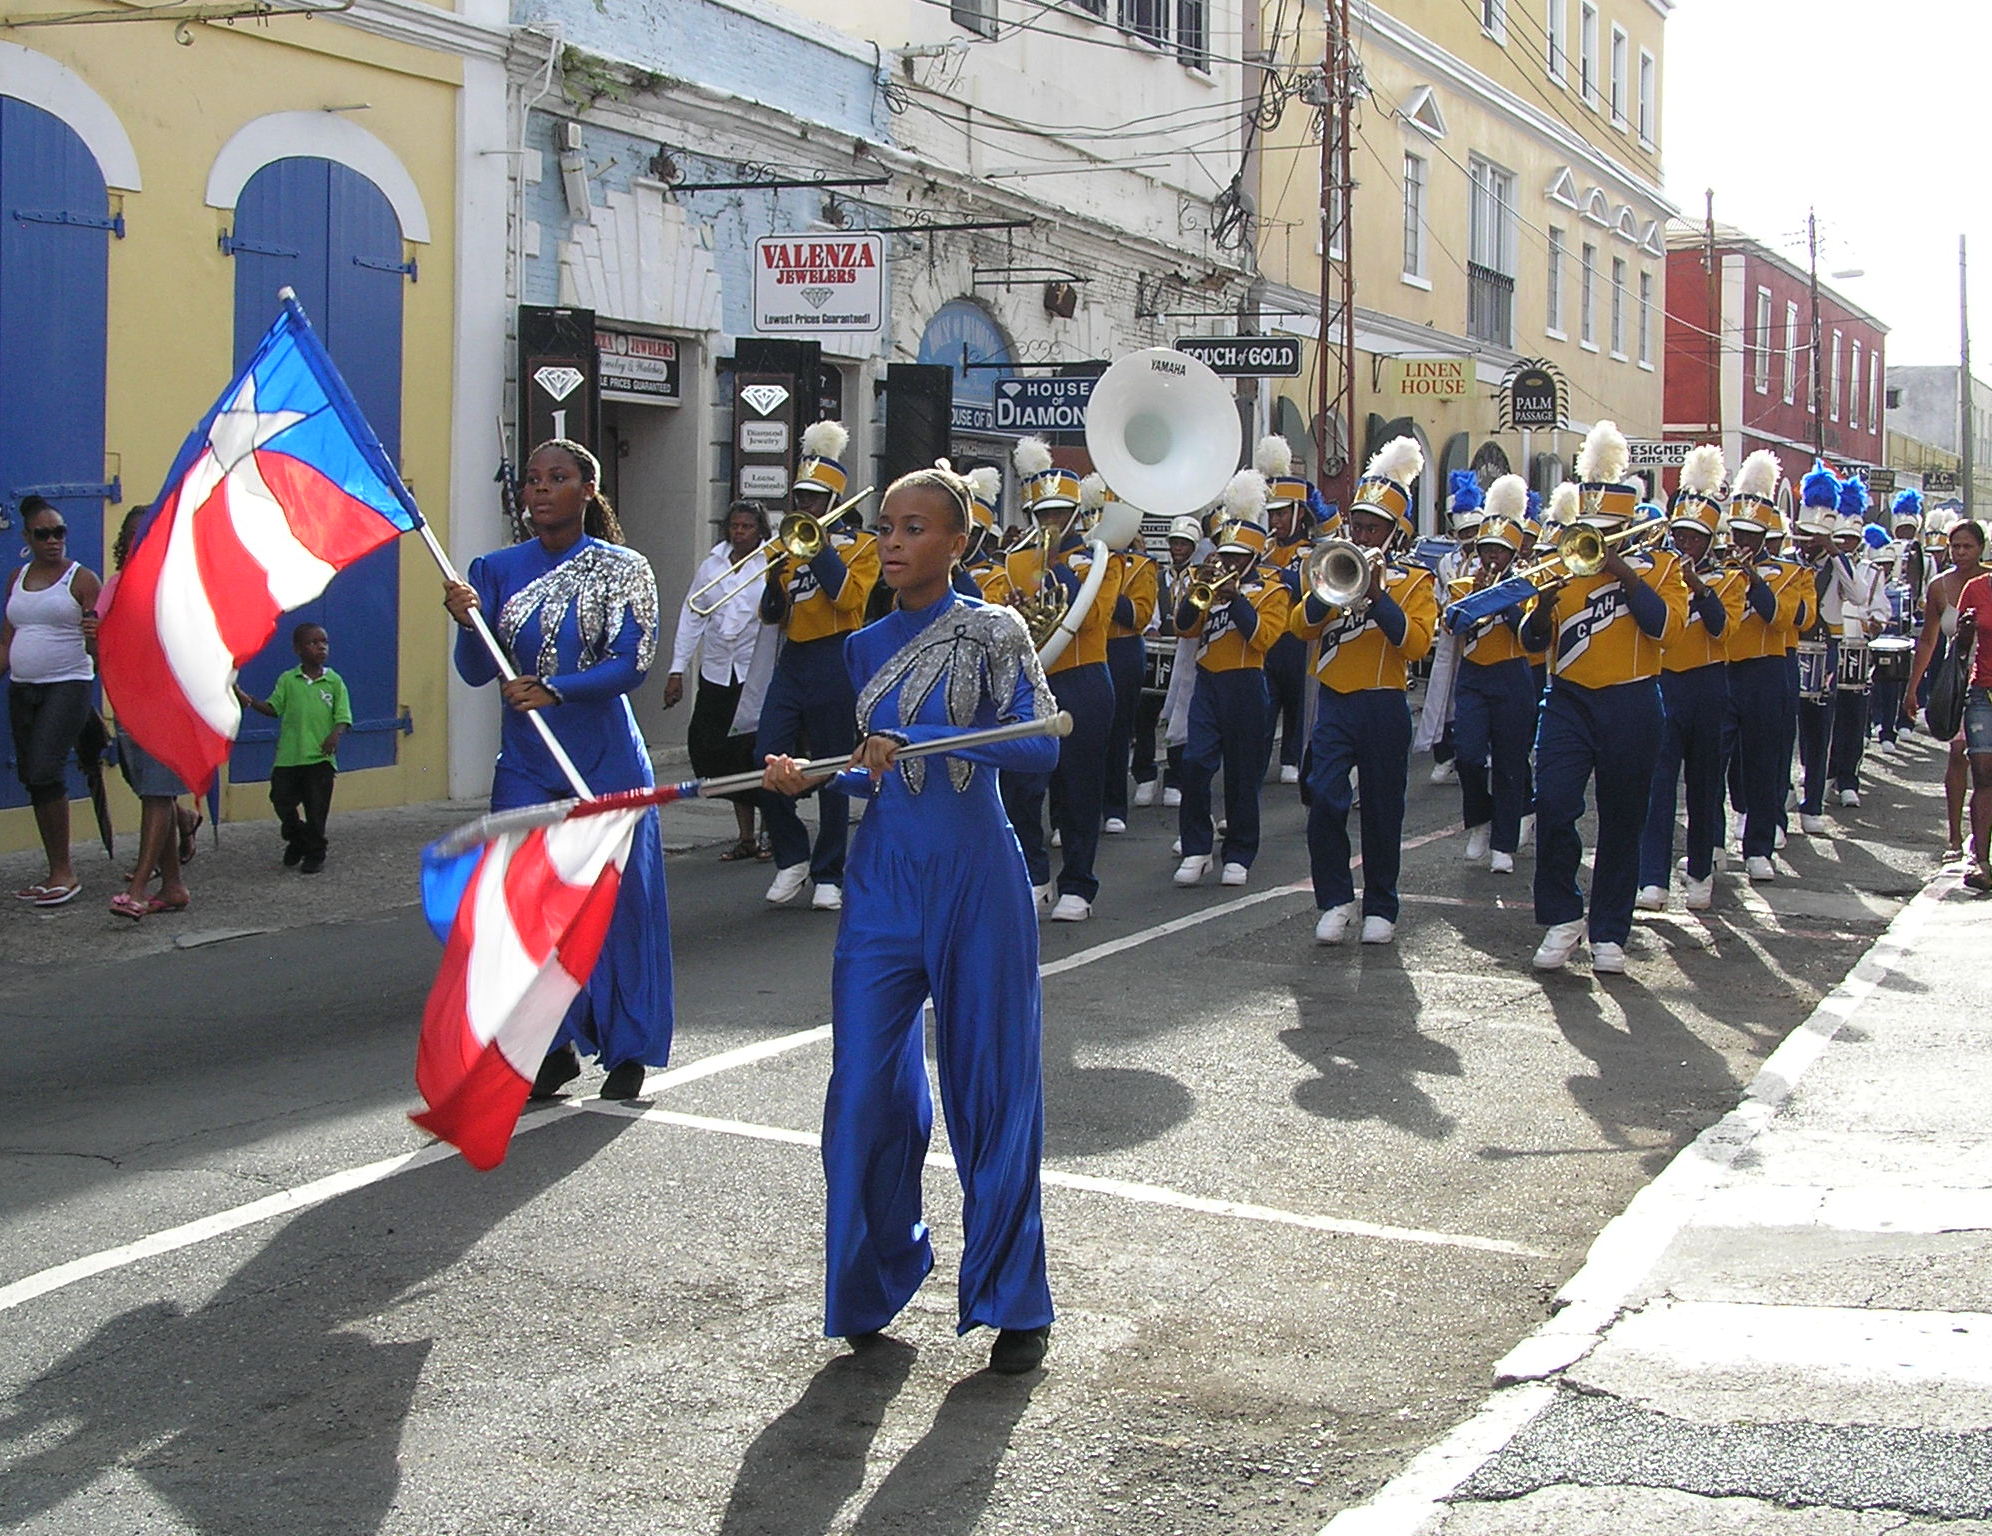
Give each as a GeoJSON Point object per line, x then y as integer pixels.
{"type": "Point", "coordinates": [58, 895]}
{"type": "Point", "coordinates": [189, 844]}
{"type": "Point", "coordinates": [158, 904]}
{"type": "Point", "coordinates": [124, 904]}
{"type": "Point", "coordinates": [1978, 880]}
{"type": "Point", "coordinates": [32, 893]}
{"type": "Point", "coordinates": [744, 849]}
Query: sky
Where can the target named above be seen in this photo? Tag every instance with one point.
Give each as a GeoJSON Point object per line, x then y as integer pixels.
{"type": "Point", "coordinates": [1877, 115]}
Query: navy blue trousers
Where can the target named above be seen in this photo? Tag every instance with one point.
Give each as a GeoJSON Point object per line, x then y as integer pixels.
{"type": "Point", "coordinates": [1850, 727]}
{"type": "Point", "coordinates": [1077, 785]}
{"type": "Point", "coordinates": [1368, 732]}
{"type": "Point", "coordinates": [1610, 735]}
{"type": "Point", "coordinates": [811, 711]}
{"type": "Point", "coordinates": [1286, 683]}
{"type": "Point", "coordinates": [1691, 737]}
{"type": "Point", "coordinates": [1127, 658]}
{"type": "Point", "coordinates": [1227, 729]}
{"type": "Point", "coordinates": [1815, 742]}
{"type": "Point", "coordinates": [1758, 702]}
{"type": "Point", "coordinates": [1494, 723]}
{"type": "Point", "coordinates": [1788, 739]}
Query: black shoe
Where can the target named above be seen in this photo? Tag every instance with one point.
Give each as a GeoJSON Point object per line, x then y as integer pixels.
{"type": "Point", "coordinates": [293, 855]}
{"type": "Point", "coordinates": [623, 1082]}
{"type": "Point", "coordinates": [560, 1067]}
{"type": "Point", "coordinates": [1018, 1350]}
{"type": "Point", "coordinates": [312, 866]}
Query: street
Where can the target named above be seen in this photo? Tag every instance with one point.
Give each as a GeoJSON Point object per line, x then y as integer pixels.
{"type": "Point", "coordinates": [1299, 1200]}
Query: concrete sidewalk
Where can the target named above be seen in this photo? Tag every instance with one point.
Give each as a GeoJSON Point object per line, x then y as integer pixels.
{"type": "Point", "coordinates": [1790, 1330]}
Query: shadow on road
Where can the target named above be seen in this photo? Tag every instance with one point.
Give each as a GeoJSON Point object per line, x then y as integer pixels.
{"type": "Point", "coordinates": [271, 1408]}
{"type": "Point", "coordinates": [1367, 1051]}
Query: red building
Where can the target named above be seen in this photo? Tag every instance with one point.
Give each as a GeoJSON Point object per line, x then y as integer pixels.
{"type": "Point", "coordinates": [1739, 358]}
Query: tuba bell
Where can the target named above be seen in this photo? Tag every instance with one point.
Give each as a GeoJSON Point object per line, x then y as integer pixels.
{"type": "Point", "coordinates": [1163, 429]}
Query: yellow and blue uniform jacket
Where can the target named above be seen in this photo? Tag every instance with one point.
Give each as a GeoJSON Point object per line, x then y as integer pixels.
{"type": "Point", "coordinates": [1070, 568]}
{"type": "Point", "coordinates": [1606, 632]}
{"type": "Point", "coordinates": [1234, 636]}
{"type": "Point", "coordinates": [1375, 647]}
{"type": "Point", "coordinates": [1708, 624]}
{"type": "Point", "coordinates": [1138, 590]}
{"type": "Point", "coordinates": [1774, 610]}
{"type": "Point", "coordinates": [826, 596]}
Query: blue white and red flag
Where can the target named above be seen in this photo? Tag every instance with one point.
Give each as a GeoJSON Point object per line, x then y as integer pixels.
{"type": "Point", "coordinates": [281, 486]}
{"type": "Point", "coordinates": [522, 918]}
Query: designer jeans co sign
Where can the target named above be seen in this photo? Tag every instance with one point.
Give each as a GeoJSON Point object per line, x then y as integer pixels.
{"type": "Point", "coordinates": [833, 283]}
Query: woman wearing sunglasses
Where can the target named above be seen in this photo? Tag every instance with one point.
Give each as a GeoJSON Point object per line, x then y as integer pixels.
{"type": "Point", "coordinates": [48, 645]}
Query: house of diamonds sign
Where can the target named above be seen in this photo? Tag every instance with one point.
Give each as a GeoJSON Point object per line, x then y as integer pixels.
{"type": "Point", "coordinates": [826, 283]}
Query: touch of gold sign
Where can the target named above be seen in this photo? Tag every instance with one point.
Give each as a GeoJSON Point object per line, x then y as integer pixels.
{"type": "Point", "coordinates": [1427, 378]}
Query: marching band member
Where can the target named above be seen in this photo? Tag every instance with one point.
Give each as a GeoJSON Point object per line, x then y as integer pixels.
{"type": "Point", "coordinates": [1839, 595]}
{"type": "Point", "coordinates": [1288, 515]}
{"type": "Point", "coordinates": [1437, 731]}
{"type": "Point", "coordinates": [1184, 534]}
{"type": "Point", "coordinates": [1867, 613]}
{"type": "Point", "coordinates": [1362, 719]}
{"type": "Point", "coordinates": [941, 908]}
{"type": "Point", "coordinates": [1761, 691]}
{"type": "Point", "coordinates": [817, 602]}
{"type": "Point", "coordinates": [1601, 716]}
{"type": "Point", "coordinates": [1245, 611]}
{"type": "Point", "coordinates": [1694, 691]}
{"type": "Point", "coordinates": [1127, 653]}
{"type": "Point", "coordinates": [1079, 679]}
{"type": "Point", "coordinates": [1495, 714]}
{"type": "Point", "coordinates": [983, 563]}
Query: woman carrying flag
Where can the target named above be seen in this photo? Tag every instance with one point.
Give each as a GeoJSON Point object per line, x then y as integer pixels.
{"type": "Point", "coordinates": [578, 611]}
{"type": "Point", "coordinates": [941, 906]}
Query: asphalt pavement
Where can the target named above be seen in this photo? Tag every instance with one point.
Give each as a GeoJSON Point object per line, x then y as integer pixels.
{"type": "Point", "coordinates": [1300, 1203]}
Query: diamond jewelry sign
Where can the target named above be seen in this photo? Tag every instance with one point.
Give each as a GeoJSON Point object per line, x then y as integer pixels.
{"type": "Point", "coordinates": [805, 286]}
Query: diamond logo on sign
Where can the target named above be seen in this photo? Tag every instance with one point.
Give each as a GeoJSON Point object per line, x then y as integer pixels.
{"type": "Point", "coordinates": [765, 398]}
{"type": "Point", "coordinates": [816, 298]}
{"type": "Point", "coordinates": [560, 382]}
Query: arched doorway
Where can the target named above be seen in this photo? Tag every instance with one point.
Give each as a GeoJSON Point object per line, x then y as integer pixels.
{"type": "Point", "coordinates": [326, 231]}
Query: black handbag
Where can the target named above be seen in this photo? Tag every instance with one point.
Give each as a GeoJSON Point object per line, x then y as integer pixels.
{"type": "Point", "coordinates": [1945, 711]}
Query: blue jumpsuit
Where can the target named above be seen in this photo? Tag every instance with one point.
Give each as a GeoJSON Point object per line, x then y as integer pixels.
{"type": "Point", "coordinates": [602, 603]}
{"type": "Point", "coordinates": [938, 905]}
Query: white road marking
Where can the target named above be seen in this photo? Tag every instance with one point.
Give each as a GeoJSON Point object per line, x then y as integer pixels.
{"type": "Point", "coordinates": [1121, 1189]}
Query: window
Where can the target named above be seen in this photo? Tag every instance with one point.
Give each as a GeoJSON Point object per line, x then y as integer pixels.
{"type": "Point", "coordinates": [1092, 7]}
{"type": "Point", "coordinates": [1833, 382]}
{"type": "Point", "coordinates": [1554, 287]}
{"type": "Point", "coordinates": [1556, 38]}
{"type": "Point", "coordinates": [1791, 353]}
{"type": "Point", "coordinates": [976, 15]}
{"type": "Point", "coordinates": [1414, 216]}
{"type": "Point", "coordinates": [1649, 112]}
{"type": "Point", "coordinates": [1854, 389]}
{"type": "Point", "coordinates": [1587, 299]}
{"type": "Point", "coordinates": [1874, 393]}
{"type": "Point", "coordinates": [1760, 361]}
{"type": "Point", "coordinates": [1620, 46]}
{"type": "Point", "coordinates": [1646, 319]}
{"type": "Point", "coordinates": [1494, 19]}
{"type": "Point", "coordinates": [1490, 258]}
{"type": "Point", "coordinates": [1146, 19]}
{"type": "Point", "coordinates": [1192, 33]}
{"type": "Point", "coordinates": [1587, 53]}
{"type": "Point", "coordinates": [1618, 308]}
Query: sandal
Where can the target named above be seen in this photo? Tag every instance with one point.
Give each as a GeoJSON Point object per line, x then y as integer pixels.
{"type": "Point", "coordinates": [189, 823]}
{"type": "Point", "coordinates": [744, 849]}
{"type": "Point", "coordinates": [58, 895]}
{"type": "Point", "coordinates": [1978, 880]}
{"type": "Point", "coordinates": [124, 904]}
{"type": "Point", "coordinates": [158, 904]}
{"type": "Point", "coordinates": [34, 892]}
{"type": "Point", "coordinates": [763, 850]}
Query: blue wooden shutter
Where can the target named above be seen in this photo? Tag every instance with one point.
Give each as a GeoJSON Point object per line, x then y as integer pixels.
{"type": "Point", "coordinates": [330, 234]}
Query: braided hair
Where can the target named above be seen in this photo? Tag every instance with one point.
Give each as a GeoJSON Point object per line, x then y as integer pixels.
{"type": "Point", "coordinates": [599, 521]}
{"type": "Point", "coordinates": [941, 477]}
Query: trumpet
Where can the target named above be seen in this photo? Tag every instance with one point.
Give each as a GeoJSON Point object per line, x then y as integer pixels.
{"type": "Point", "coordinates": [1580, 551]}
{"type": "Point", "coordinates": [1341, 573]}
{"type": "Point", "coordinates": [1208, 586]}
{"type": "Point", "coordinates": [799, 536]}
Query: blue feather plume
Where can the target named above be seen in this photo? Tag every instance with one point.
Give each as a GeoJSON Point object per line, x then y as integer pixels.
{"type": "Point", "coordinates": [1535, 506]}
{"type": "Point", "coordinates": [1874, 536]}
{"type": "Point", "coordinates": [1821, 488]}
{"type": "Point", "coordinates": [1909, 503]}
{"type": "Point", "coordinates": [1853, 497]}
{"type": "Point", "coordinates": [1466, 493]}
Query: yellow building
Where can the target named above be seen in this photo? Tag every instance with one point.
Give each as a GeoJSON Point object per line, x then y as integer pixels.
{"type": "Point", "coordinates": [161, 182]}
{"type": "Point", "coordinates": [1506, 205]}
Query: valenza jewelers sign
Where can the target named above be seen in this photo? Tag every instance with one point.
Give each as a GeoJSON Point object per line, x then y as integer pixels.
{"type": "Point", "coordinates": [834, 283]}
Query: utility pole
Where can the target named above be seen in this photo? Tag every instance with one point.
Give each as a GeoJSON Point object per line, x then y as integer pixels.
{"type": "Point", "coordinates": [1712, 269]}
{"type": "Point", "coordinates": [1968, 431]}
{"type": "Point", "coordinates": [1335, 348]}
{"type": "Point", "coordinates": [1818, 382]}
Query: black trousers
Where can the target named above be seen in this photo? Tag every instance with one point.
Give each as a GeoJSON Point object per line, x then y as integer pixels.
{"type": "Point", "coordinates": [302, 798]}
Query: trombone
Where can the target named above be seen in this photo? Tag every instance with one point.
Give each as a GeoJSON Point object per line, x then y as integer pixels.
{"type": "Point", "coordinates": [1580, 551]}
{"type": "Point", "coordinates": [799, 536]}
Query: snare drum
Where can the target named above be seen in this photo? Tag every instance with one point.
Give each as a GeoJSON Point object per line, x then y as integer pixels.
{"type": "Point", "coordinates": [1856, 666]}
{"type": "Point", "coordinates": [1894, 658]}
{"type": "Point", "coordinates": [1160, 661]}
{"type": "Point", "coordinates": [1815, 672]}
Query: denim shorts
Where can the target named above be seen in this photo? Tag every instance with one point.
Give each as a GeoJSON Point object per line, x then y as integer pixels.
{"type": "Point", "coordinates": [1978, 720]}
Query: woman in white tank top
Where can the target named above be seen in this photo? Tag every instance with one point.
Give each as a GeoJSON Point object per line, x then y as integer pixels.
{"type": "Point", "coordinates": [48, 645]}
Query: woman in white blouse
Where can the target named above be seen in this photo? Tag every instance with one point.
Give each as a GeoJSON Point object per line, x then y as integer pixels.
{"type": "Point", "coordinates": [724, 638]}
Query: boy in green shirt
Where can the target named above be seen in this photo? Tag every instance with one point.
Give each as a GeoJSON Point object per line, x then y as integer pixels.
{"type": "Point", "coordinates": [312, 711]}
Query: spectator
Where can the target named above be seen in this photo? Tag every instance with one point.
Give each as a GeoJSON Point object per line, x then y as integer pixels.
{"type": "Point", "coordinates": [312, 711]}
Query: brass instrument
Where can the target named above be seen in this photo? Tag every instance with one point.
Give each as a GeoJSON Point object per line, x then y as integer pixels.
{"type": "Point", "coordinates": [1043, 606]}
{"type": "Point", "coordinates": [1340, 573]}
{"type": "Point", "coordinates": [1208, 586]}
{"type": "Point", "coordinates": [799, 536]}
{"type": "Point", "coordinates": [1580, 551]}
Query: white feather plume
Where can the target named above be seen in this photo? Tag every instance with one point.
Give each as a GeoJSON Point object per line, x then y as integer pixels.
{"type": "Point", "coordinates": [1508, 497]}
{"type": "Point", "coordinates": [825, 440]}
{"type": "Point", "coordinates": [1093, 492]}
{"type": "Point", "coordinates": [986, 480]}
{"type": "Point", "coordinates": [1759, 476]}
{"type": "Point", "coordinates": [1400, 459]}
{"type": "Point", "coordinates": [1245, 496]}
{"type": "Point", "coordinates": [1702, 471]}
{"type": "Point", "coordinates": [1032, 456]}
{"type": "Point", "coordinates": [1563, 503]}
{"type": "Point", "coordinates": [1604, 458]}
{"type": "Point", "coordinates": [1273, 458]}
